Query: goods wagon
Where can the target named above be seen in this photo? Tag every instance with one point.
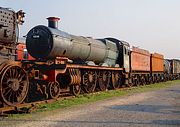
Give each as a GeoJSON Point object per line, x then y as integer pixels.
{"type": "Point", "coordinates": [140, 60]}
{"type": "Point", "coordinates": [157, 67]}
{"type": "Point", "coordinates": [157, 62]}
{"type": "Point", "coordinates": [167, 66]}
{"type": "Point", "coordinates": [167, 69]}
{"type": "Point", "coordinates": [175, 68]}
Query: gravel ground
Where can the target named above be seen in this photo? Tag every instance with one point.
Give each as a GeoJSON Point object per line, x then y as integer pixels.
{"type": "Point", "coordinates": [153, 109]}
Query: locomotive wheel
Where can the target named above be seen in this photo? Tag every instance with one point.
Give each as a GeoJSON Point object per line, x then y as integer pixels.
{"type": "Point", "coordinates": [54, 90]}
{"type": "Point", "coordinates": [103, 80]}
{"type": "Point", "coordinates": [75, 89]}
{"type": "Point", "coordinates": [89, 81]}
{"type": "Point", "coordinates": [116, 80]}
{"type": "Point", "coordinates": [14, 85]}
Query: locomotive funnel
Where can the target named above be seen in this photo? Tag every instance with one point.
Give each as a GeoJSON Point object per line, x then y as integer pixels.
{"type": "Point", "coordinates": [53, 22]}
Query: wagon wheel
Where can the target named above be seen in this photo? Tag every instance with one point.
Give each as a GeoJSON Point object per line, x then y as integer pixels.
{"type": "Point", "coordinates": [89, 81]}
{"type": "Point", "coordinates": [130, 82]}
{"type": "Point", "coordinates": [154, 79]}
{"type": "Point", "coordinates": [164, 78]}
{"type": "Point", "coordinates": [150, 80]}
{"type": "Point", "coordinates": [54, 90]}
{"type": "Point", "coordinates": [116, 80]}
{"type": "Point", "coordinates": [157, 79]}
{"type": "Point", "coordinates": [142, 82]}
{"type": "Point", "coordinates": [137, 82]}
{"type": "Point", "coordinates": [147, 80]}
{"type": "Point", "coordinates": [133, 81]}
{"type": "Point", "coordinates": [103, 80]}
{"type": "Point", "coordinates": [75, 89]}
{"type": "Point", "coordinates": [14, 85]}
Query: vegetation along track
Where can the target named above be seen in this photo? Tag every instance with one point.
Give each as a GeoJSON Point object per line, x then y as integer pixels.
{"type": "Point", "coordinates": [28, 107]}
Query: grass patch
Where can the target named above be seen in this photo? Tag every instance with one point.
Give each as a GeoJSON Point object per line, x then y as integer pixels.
{"type": "Point", "coordinates": [89, 98]}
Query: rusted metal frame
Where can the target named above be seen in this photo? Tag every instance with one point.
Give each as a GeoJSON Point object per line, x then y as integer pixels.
{"type": "Point", "coordinates": [41, 86]}
{"type": "Point", "coordinates": [93, 67]}
{"type": "Point", "coordinates": [45, 65]}
{"type": "Point", "coordinates": [157, 72]}
{"type": "Point", "coordinates": [140, 72]}
{"type": "Point", "coordinates": [8, 47]}
{"type": "Point", "coordinates": [42, 66]}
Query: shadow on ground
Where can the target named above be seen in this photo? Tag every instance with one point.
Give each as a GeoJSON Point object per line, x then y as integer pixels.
{"type": "Point", "coordinates": [148, 108]}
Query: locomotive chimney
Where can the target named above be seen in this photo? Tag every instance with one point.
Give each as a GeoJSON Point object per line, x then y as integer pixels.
{"type": "Point", "coordinates": [53, 22]}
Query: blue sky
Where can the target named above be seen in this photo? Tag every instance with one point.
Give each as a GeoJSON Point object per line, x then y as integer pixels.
{"type": "Point", "coordinates": [148, 24]}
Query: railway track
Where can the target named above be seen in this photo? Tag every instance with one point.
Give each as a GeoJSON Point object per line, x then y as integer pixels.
{"type": "Point", "coordinates": [29, 107]}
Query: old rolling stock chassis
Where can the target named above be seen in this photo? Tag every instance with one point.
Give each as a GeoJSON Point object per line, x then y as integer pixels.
{"type": "Point", "coordinates": [14, 81]}
{"type": "Point", "coordinates": [56, 62]}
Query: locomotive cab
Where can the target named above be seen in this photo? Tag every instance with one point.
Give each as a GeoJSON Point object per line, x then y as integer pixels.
{"type": "Point", "coordinates": [124, 54]}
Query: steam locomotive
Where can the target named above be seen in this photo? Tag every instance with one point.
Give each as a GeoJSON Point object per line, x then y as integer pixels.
{"type": "Point", "coordinates": [71, 62]}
